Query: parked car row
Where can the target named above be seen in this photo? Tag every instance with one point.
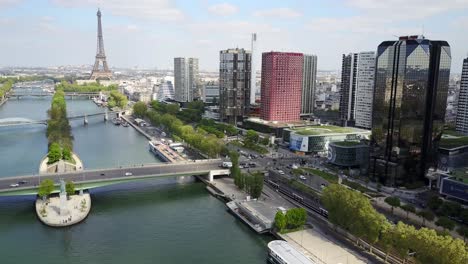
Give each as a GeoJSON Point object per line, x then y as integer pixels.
{"type": "Point", "coordinates": [244, 165]}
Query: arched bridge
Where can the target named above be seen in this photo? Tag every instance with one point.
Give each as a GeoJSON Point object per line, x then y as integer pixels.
{"type": "Point", "coordinates": [35, 93]}
{"type": "Point", "coordinates": [19, 121]}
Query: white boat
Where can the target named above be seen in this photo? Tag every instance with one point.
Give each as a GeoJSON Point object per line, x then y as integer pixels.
{"type": "Point", "coordinates": [281, 252]}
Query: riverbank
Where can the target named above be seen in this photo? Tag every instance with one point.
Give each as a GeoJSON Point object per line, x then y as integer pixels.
{"type": "Point", "coordinates": [317, 244]}
{"type": "Point", "coordinates": [3, 101]}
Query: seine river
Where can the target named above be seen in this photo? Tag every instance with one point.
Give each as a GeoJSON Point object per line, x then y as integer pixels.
{"type": "Point", "coordinates": [157, 221]}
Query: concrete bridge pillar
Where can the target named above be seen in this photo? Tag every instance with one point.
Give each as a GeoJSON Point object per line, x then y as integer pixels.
{"type": "Point", "coordinates": [85, 120]}
{"type": "Point", "coordinates": [106, 115]}
{"type": "Point", "coordinates": [210, 176]}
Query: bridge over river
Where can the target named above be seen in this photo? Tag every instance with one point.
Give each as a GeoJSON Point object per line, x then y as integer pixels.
{"type": "Point", "coordinates": [89, 179]}
{"type": "Point", "coordinates": [19, 121]}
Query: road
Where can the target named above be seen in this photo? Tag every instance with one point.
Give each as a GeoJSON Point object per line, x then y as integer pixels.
{"type": "Point", "coordinates": [159, 169]}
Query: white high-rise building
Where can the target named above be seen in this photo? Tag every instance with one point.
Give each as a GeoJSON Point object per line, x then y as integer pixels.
{"type": "Point", "coordinates": [186, 79]}
{"type": "Point", "coordinates": [356, 94]}
{"type": "Point", "coordinates": [365, 89]}
{"type": "Point", "coordinates": [461, 123]}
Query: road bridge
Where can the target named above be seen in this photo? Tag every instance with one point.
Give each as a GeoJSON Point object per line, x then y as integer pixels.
{"type": "Point", "coordinates": [89, 179]}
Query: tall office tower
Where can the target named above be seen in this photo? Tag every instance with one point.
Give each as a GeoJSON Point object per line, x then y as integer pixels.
{"type": "Point", "coordinates": [309, 77]}
{"type": "Point", "coordinates": [461, 123]}
{"type": "Point", "coordinates": [410, 98]}
{"type": "Point", "coordinates": [281, 86]}
{"type": "Point", "coordinates": [234, 84]}
{"type": "Point", "coordinates": [348, 89]}
{"type": "Point", "coordinates": [253, 77]}
{"type": "Point", "coordinates": [364, 89]}
{"type": "Point", "coordinates": [186, 79]}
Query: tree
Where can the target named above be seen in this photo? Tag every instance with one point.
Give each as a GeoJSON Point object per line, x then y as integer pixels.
{"type": "Point", "coordinates": [280, 221]}
{"type": "Point", "coordinates": [426, 215]}
{"type": "Point", "coordinates": [463, 231]}
{"type": "Point", "coordinates": [296, 218]}
{"type": "Point", "coordinates": [449, 209]}
{"type": "Point", "coordinates": [464, 216]}
{"type": "Point", "coordinates": [172, 109]}
{"type": "Point", "coordinates": [66, 153]}
{"type": "Point", "coordinates": [46, 187]}
{"type": "Point", "coordinates": [434, 202]}
{"type": "Point", "coordinates": [392, 201]}
{"type": "Point", "coordinates": [251, 137]}
{"type": "Point", "coordinates": [255, 184]}
{"type": "Point", "coordinates": [70, 188]}
{"type": "Point", "coordinates": [445, 222]}
{"type": "Point", "coordinates": [139, 109]}
{"type": "Point", "coordinates": [55, 153]}
{"type": "Point", "coordinates": [408, 208]}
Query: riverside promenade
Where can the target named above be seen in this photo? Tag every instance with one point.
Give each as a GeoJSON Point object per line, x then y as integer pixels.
{"type": "Point", "coordinates": [319, 248]}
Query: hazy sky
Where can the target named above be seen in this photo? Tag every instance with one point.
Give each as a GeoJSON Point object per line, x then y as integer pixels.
{"type": "Point", "coordinates": [149, 33]}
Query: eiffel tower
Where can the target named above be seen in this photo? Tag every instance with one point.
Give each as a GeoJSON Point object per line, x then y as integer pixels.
{"type": "Point", "coordinates": [99, 73]}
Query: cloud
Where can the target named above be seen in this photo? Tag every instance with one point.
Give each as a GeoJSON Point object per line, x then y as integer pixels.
{"type": "Point", "coordinates": [163, 10]}
{"type": "Point", "coordinates": [223, 9]}
{"type": "Point", "coordinates": [360, 25]}
{"type": "Point", "coordinates": [284, 12]}
{"type": "Point", "coordinates": [403, 9]}
{"type": "Point", "coordinates": [460, 22]}
{"type": "Point", "coordinates": [9, 3]}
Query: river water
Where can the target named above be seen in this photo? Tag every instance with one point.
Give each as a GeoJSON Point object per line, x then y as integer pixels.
{"type": "Point", "coordinates": [155, 221]}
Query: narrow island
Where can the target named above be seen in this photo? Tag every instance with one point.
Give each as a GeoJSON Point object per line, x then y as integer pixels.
{"type": "Point", "coordinates": [67, 208]}
{"type": "Point", "coordinates": [60, 157]}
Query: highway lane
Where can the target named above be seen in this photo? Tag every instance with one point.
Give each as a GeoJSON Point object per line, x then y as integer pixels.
{"type": "Point", "coordinates": [195, 167]}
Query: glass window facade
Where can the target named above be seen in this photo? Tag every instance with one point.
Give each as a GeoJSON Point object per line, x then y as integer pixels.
{"type": "Point", "coordinates": [410, 97]}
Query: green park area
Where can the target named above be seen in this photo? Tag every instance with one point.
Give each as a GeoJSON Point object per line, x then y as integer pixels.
{"type": "Point", "coordinates": [86, 87]}
{"type": "Point", "coordinates": [322, 130]}
{"type": "Point", "coordinates": [59, 133]}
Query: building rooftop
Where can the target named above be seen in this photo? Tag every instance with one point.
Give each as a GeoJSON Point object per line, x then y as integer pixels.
{"type": "Point", "coordinates": [324, 130]}
{"type": "Point", "coordinates": [452, 139]}
{"type": "Point", "coordinates": [280, 123]}
{"type": "Point", "coordinates": [347, 143]}
{"type": "Point", "coordinates": [288, 253]}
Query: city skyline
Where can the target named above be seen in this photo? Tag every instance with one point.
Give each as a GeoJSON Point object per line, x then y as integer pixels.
{"type": "Point", "coordinates": [65, 31]}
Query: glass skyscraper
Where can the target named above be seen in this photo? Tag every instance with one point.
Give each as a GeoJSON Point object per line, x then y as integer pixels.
{"type": "Point", "coordinates": [410, 97]}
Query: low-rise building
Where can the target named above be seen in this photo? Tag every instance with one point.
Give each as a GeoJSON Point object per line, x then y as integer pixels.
{"type": "Point", "coordinates": [348, 154]}
{"type": "Point", "coordinates": [316, 139]}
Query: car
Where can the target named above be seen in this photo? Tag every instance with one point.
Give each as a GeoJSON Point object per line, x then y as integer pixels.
{"type": "Point", "coordinates": [22, 182]}
{"type": "Point", "coordinates": [226, 164]}
{"type": "Point", "coordinates": [102, 174]}
{"type": "Point", "coordinates": [281, 172]}
{"type": "Point", "coordinates": [128, 174]}
{"type": "Point", "coordinates": [302, 177]}
{"type": "Point", "coordinates": [252, 165]}
{"type": "Point", "coordinates": [14, 185]}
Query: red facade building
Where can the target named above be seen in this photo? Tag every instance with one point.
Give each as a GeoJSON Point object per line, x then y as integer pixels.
{"type": "Point", "coordinates": [281, 86]}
